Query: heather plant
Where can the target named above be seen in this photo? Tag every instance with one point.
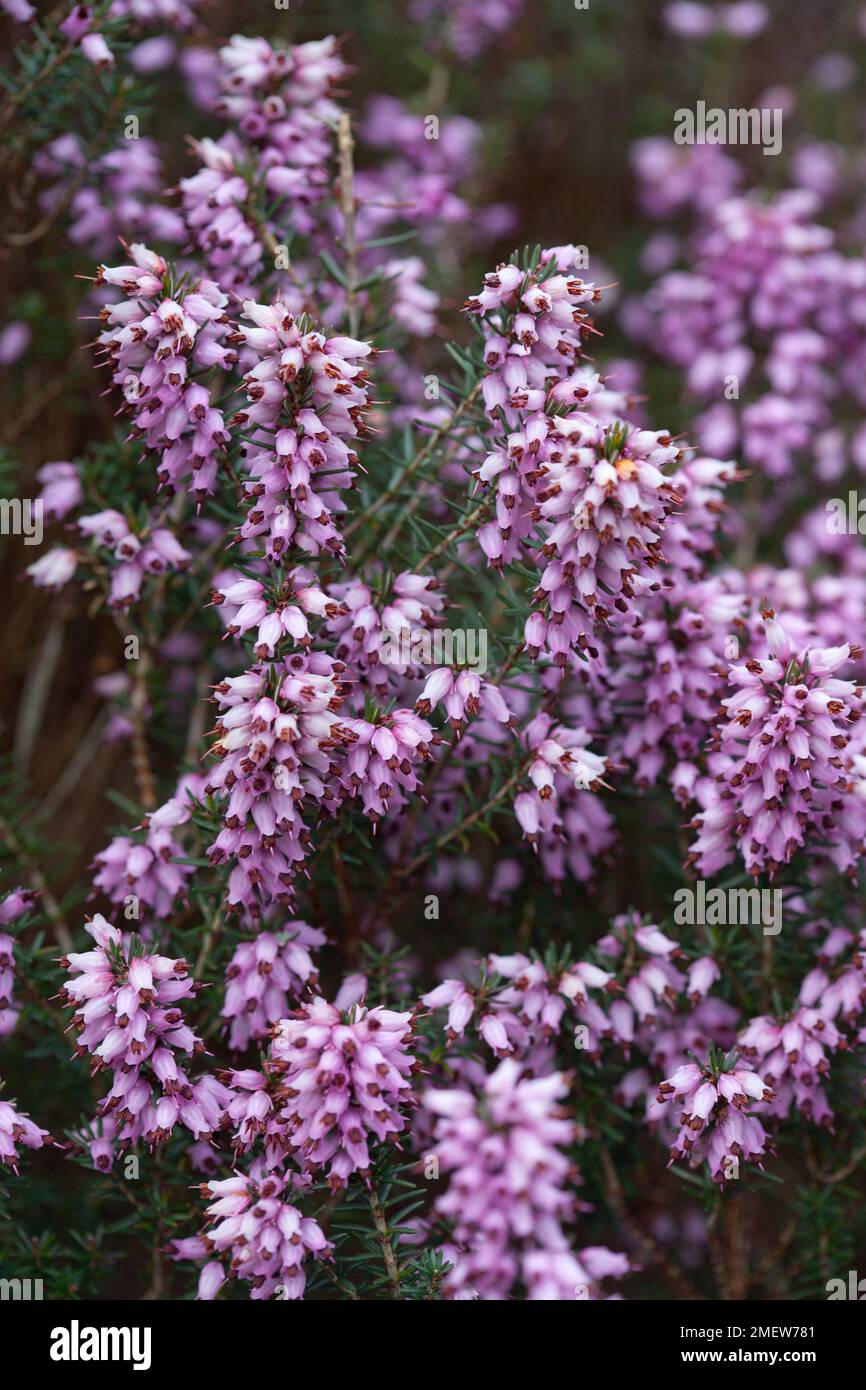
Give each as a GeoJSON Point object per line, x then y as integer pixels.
{"type": "Point", "coordinates": [378, 988]}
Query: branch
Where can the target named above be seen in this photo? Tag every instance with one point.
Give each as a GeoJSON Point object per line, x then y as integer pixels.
{"type": "Point", "coordinates": [393, 488]}
{"type": "Point", "coordinates": [384, 1237]}
{"type": "Point", "coordinates": [36, 879]}
{"type": "Point", "coordinates": [345, 149]}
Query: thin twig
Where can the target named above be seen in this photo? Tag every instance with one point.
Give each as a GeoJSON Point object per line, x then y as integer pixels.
{"type": "Point", "coordinates": [36, 879]}
{"type": "Point", "coordinates": [651, 1252]}
{"type": "Point", "coordinates": [69, 779]}
{"type": "Point", "coordinates": [345, 152]}
{"type": "Point", "coordinates": [34, 696]}
{"type": "Point", "coordinates": [210, 936]}
{"type": "Point", "coordinates": [141, 767]}
{"type": "Point", "coordinates": [411, 468]}
{"type": "Point", "coordinates": [384, 1238]}
{"type": "Point", "coordinates": [466, 822]}
{"type": "Point", "coordinates": [466, 525]}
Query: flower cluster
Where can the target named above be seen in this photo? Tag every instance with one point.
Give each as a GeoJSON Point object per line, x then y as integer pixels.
{"type": "Point", "coordinates": [782, 770]}
{"type": "Point", "coordinates": [344, 1082]}
{"type": "Point", "coordinates": [9, 1011]}
{"type": "Point", "coordinates": [273, 751]}
{"type": "Point", "coordinates": [13, 906]}
{"type": "Point", "coordinates": [307, 395]}
{"type": "Point", "coordinates": [279, 102]}
{"type": "Point", "coordinates": [263, 974]}
{"type": "Point", "coordinates": [765, 321]}
{"type": "Point", "coordinates": [265, 1238]}
{"type": "Point", "coordinates": [507, 1196]}
{"type": "Point", "coordinates": [154, 341]}
{"type": "Point", "coordinates": [126, 1016]}
{"type": "Point", "coordinates": [16, 1129]}
{"type": "Point", "coordinates": [714, 1122]}
{"type": "Point", "coordinates": [154, 552]}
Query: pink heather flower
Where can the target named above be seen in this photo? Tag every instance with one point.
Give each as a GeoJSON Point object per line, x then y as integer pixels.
{"type": "Point", "coordinates": [265, 1238]}
{"type": "Point", "coordinates": [413, 304]}
{"type": "Point", "coordinates": [146, 870]}
{"type": "Point", "coordinates": [137, 555]}
{"type": "Point", "coordinates": [672, 178]}
{"type": "Point", "coordinates": [155, 347]}
{"type": "Point", "coordinates": [507, 1198]}
{"type": "Point", "coordinates": [745, 19]}
{"type": "Point", "coordinates": [382, 760]}
{"type": "Point", "coordinates": [795, 1054]}
{"type": "Point", "coordinates": [178, 15]}
{"type": "Point", "coordinates": [274, 754]}
{"type": "Point", "coordinates": [53, 569]}
{"type": "Point", "coordinates": [16, 336]}
{"type": "Point", "coordinates": [702, 975]}
{"type": "Point", "coordinates": [307, 398]}
{"type": "Point", "coordinates": [690, 20]}
{"type": "Point", "coordinates": [153, 55]}
{"type": "Point", "coordinates": [562, 817]}
{"type": "Point", "coordinates": [61, 489]}
{"type": "Point", "coordinates": [534, 325]}
{"type": "Point", "coordinates": [263, 974]}
{"type": "Point", "coordinates": [8, 1010]}
{"type": "Point", "coordinates": [583, 491]}
{"type": "Point", "coordinates": [468, 26]}
{"type": "Point", "coordinates": [121, 198]}
{"type": "Point", "coordinates": [733, 310]}
{"type": "Point", "coordinates": [714, 1123]}
{"type": "Point", "coordinates": [282, 619]}
{"type": "Point", "coordinates": [463, 693]}
{"type": "Point", "coordinates": [15, 904]}
{"type": "Point", "coordinates": [784, 777]}
{"type": "Point", "coordinates": [96, 51]}
{"type": "Point", "coordinates": [100, 1137]}
{"type": "Point", "coordinates": [524, 1014]}
{"type": "Point", "coordinates": [457, 998]}
{"type": "Point", "coordinates": [380, 636]}
{"type": "Point", "coordinates": [343, 1083]}
{"type": "Point", "coordinates": [77, 23]}
{"type": "Point", "coordinates": [279, 102]}
{"type": "Point", "coordinates": [353, 990]}
{"type": "Point", "coordinates": [126, 1016]}
{"type": "Point", "coordinates": [15, 1129]}
{"type": "Point", "coordinates": [214, 204]}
